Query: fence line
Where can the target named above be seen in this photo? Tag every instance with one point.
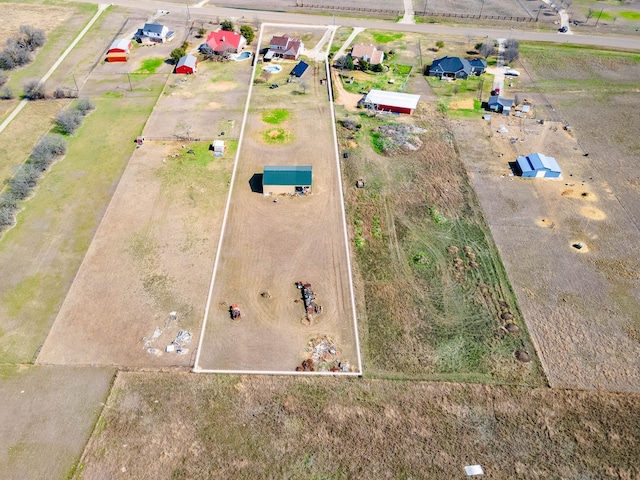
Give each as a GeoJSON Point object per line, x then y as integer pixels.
{"type": "Point", "coordinates": [384, 11]}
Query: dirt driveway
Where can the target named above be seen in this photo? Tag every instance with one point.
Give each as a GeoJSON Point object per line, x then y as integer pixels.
{"type": "Point", "coordinates": [268, 246]}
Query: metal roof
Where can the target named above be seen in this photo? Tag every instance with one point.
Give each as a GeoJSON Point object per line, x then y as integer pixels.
{"type": "Point", "coordinates": [538, 161]}
{"type": "Point", "coordinates": [392, 99]}
{"type": "Point", "coordinates": [299, 69]}
{"type": "Point", "coordinates": [291, 175]}
{"type": "Point", "coordinates": [153, 27]}
{"type": "Point", "coordinates": [187, 60]}
{"type": "Point", "coordinates": [120, 44]}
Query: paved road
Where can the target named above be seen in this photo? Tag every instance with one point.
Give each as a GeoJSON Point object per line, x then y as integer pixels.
{"type": "Point", "coordinates": [206, 12]}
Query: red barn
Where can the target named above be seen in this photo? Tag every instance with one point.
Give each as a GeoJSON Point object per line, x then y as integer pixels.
{"type": "Point", "coordinates": [187, 65]}
{"type": "Point", "coordinates": [119, 50]}
{"type": "Point", "coordinates": [391, 101]}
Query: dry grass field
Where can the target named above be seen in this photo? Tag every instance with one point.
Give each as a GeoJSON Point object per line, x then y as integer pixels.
{"type": "Point", "coordinates": [45, 17]}
{"type": "Point", "coordinates": [47, 417]}
{"type": "Point", "coordinates": [581, 306]}
{"type": "Point", "coordinates": [154, 250]}
{"type": "Point", "coordinates": [269, 245]}
{"type": "Point", "coordinates": [173, 426]}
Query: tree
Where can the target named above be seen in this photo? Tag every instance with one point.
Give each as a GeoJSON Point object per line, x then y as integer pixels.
{"type": "Point", "coordinates": [31, 37]}
{"type": "Point", "coordinates": [34, 90]}
{"type": "Point", "coordinates": [378, 67]}
{"type": "Point", "coordinates": [247, 32]}
{"type": "Point", "coordinates": [364, 65]}
{"type": "Point", "coordinates": [177, 54]}
{"type": "Point", "coordinates": [68, 121]}
{"type": "Point", "coordinates": [227, 25]}
{"type": "Point", "coordinates": [487, 49]}
{"type": "Point", "coordinates": [6, 94]}
{"type": "Point", "coordinates": [345, 62]}
{"type": "Point", "coordinates": [85, 105]}
{"type": "Point", "coordinates": [14, 55]}
{"type": "Point", "coordinates": [511, 50]}
{"type": "Point", "coordinates": [439, 44]}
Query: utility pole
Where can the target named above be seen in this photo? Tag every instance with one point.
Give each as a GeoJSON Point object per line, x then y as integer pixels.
{"type": "Point", "coordinates": [539, 10]}
{"type": "Point", "coordinates": [74, 81]}
{"type": "Point", "coordinates": [130, 86]}
{"type": "Point", "coordinates": [424, 12]}
{"type": "Point", "coordinates": [188, 14]}
{"type": "Point", "coordinates": [481, 8]}
{"type": "Point", "coordinates": [599, 15]}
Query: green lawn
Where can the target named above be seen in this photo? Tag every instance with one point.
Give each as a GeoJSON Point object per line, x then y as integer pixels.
{"type": "Point", "coordinates": [386, 37]}
{"type": "Point", "coordinates": [41, 254]}
{"type": "Point", "coordinates": [275, 116]}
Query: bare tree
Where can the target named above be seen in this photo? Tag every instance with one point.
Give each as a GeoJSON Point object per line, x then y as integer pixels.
{"type": "Point", "coordinates": [34, 90]}
{"type": "Point", "coordinates": [183, 130]}
{"type": "Point", "coordinates": [487, 50]}
{"type": "Point", "coordinates": [31, 37]}
{"type": "Point", "coordinates": [68, 121]}
{"type": "Point", "coordinates": [304, 85]}
{"type": "Point", "coordinates": [85, 105]}
{"type": "Point", "coordinates": [6, 94]}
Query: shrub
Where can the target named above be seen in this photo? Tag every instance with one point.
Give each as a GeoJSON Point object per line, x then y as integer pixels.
{"type": "Point", "coordinates": [14, 55]}
{"type": "Point", "coordinates": [3, 79]}
{"type": "Point", "coordinates": [85, 105]}
{"type": "Point", "coordinates": [34, 90]}
{"type": "Point", "coordinates": [68, 121]}
{"type": "Point", "coordinates": [31, 37]}
{"type": "Point", "coordinates": [177, 54]}
{"type": "Point", "coordinates": [377, 68]}
{"type": "Point", "coordinates": [439, 44]}
{"type": "Point", "coordinates": [65, 93]}
{"type": "Point", "coordinates": [345, 62]}
{"type": "Point", "coordinates": [363, 65]}
{"type": "Point", "coordinates": [227, 25]}
{"type": "Point", "coordinates": [6, 94]}
{"type": "Point", "coordinates": [247, 32]}
{"type": "Point", "coordinates": [47, 149]}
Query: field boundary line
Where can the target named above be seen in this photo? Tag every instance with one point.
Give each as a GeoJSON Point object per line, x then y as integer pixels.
{"type": "Point", "coordinates": [196, 367]}
{"type": "Point", "coordinates": [342, 209]}
{"type": "Point", "coordinates": [285, 372]}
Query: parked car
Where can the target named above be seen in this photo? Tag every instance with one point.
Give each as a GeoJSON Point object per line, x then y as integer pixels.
{"type": "Point", "coordinates": [274, 85]}
{"type": "Point", "coordinates": [563, 29]}
{"type": "Point", "coordinates": [512, 73]}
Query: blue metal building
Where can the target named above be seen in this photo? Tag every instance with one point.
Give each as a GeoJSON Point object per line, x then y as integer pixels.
{"type": "Point", "coordinates": [537, 165]}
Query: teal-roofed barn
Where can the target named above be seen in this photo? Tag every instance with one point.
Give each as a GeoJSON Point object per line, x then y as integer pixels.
{"type": "Point", "coordinates": [286, 179]}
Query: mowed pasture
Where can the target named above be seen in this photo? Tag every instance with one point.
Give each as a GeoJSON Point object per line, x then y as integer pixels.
{"type": "Point", "coordinates": [154, 250]}
{"type": "Point", "coordinates": [580, 304]}
{"type": "Point", "coordinates": [201, 426]}
{"type": "Point", "coordinates": [271, 243]}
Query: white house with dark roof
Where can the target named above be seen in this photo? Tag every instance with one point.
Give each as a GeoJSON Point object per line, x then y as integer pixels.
{"type": "Point", "coordinates": [156, 32]}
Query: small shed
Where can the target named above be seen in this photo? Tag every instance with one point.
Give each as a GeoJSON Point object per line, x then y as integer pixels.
{"type": "Point", "coordinates": [187, 65]}
{"type": "Point", "coordinates": [289, 179]}
{"type": "Point", "coordinates": [500, 104]}
{"type": "Point", "coordinates": [218, 148]}
{"type": "Point", "coordinates": [537, 165]}
{"type": "Point", "coordinates": [299, 69]}
{"type": "Point", "coordinates": [119, 50]}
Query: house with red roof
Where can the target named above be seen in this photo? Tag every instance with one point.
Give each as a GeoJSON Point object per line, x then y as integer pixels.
{"type": "Point", "coordinates": [284, 47]}
{"type": "Point", "coordinates": [223, 41]}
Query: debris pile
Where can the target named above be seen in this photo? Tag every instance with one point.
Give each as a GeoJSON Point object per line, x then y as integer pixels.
{"type": "Point", "coordinates": [310, 306]}
{"type": "Point", "coordinates": [324, 357]}
{"type": "Point", "coordinates": [179, 344]}
{"type": "Point", "coordinates": [400, 136]}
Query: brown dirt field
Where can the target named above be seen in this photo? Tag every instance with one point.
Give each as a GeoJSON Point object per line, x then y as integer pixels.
{"type": "Point", "coordinates": [45, 17]}
{"type": "Point", "coordinates": [47, 416]}
{"type": "Point", "coordinates": [200, 426]}
{"type": "Point", "coordinates": [269, 246]}
{"type": "Point", "coordinates": [186, 101]}
{"type": "Point", "coordinates": [151, 255]}
{"type": "Point", "coordinates": [580, 309]}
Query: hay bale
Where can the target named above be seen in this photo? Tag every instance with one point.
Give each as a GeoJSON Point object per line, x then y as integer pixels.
{"type": "Point", "coordinates": [506, 316]}
{"type": "Point", "coordinates": [522, 356]}
{"type": "Point", "coordinates": [452, 249]}
{"type": "Point", "coordinates": [512, 328]}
